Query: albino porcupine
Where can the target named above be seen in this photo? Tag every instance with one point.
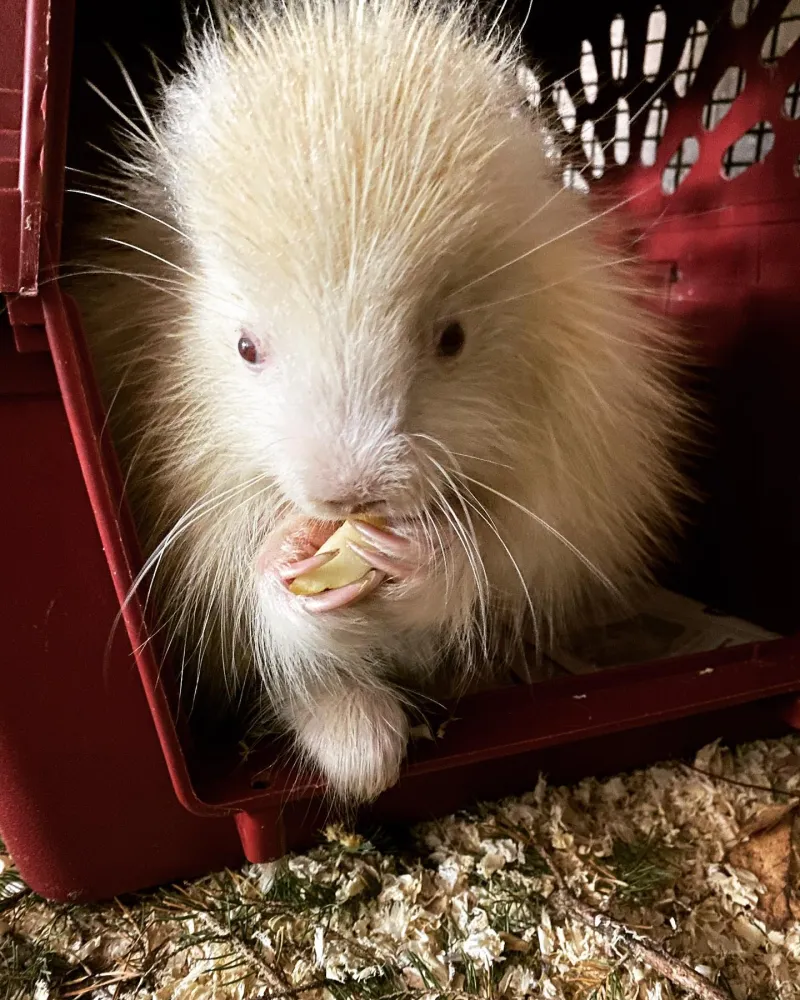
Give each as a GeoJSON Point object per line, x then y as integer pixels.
{"type": "Point", "coordinates": [343, 278]}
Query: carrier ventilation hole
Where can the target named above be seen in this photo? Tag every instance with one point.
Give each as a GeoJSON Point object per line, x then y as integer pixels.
{"type": "Point", "coordinates": [679, 165]}
{"type": "Point", "coordinates": [654, 129]}
{"type": "Point", "coordinates": [565, 106]}
{"type": "Point", "coordinates": [654, 46]}
{"type": "Point", "coordinates": [691, 57]}
{"type": "Point", "coordinates": [574, 179]}
{"type": "Point", "coordinates": [619, 48]}
{"type": "Point", "coordinates": [728, 88]}
{"type": "Point", "coordinates": [751, 148]}
{"type": "Point", "coordinates": [589, 75]}
{"type": "Point", "coordinates": [550, 146]}
{"type": "Point", "coordinates": [741, 11]}
{"type": "Point", "coordinates": [783, 36]}
{"type": "Point", "coordinates": [622, 132]}
{"type": "Point", "coordinates": [593, 149]}
{"type": "Point", "coordinates": [791, 103]}
{"type": "Point", "coordinates": [529, 82]}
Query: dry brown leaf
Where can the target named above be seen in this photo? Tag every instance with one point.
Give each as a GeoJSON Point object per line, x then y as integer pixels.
{"type": "Point", "coordinates": [794, 869]}
{"type": "Point", "coordinates": [767, 818]}
{"type": "Point", "coordinates": [771, 854]}
{"type": "Point", "coordinates": [514, 943]}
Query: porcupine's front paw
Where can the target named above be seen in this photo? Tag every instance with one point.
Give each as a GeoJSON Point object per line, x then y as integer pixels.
{"type": "Point", "coordinates": [389, 555]}
{"type": "Point", "coordinates": [356, 736]}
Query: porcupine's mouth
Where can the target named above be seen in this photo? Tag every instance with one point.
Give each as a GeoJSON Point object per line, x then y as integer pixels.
{"type": "Point", "coordinates": [295, 537]}
{"type": "Point", "coordinates": [299, 536]}
{"type": "Point", "coordinates": [302, 537]}
{"type": "Point", "coordinates": [311, 533]}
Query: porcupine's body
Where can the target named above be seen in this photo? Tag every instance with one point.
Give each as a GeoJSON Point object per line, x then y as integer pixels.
{"type": "Point", "coordinates": [361, 288]}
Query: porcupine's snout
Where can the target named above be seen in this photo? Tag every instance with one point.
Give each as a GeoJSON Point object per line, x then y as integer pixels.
{"type": "Point", "coordinates": [393, 537]}
{"type": "Point", "coordinates": [334, 469]}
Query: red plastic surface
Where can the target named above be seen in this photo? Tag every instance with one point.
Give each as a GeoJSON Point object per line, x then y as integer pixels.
{"type": "Point", "coordinates": [734, 241]}
{"type": "Point", "coordinates": [34, 68]}
{"type": "Point", "coordinates": [86, 803]}
{"type": "Point", "coordinates": [100, 790]}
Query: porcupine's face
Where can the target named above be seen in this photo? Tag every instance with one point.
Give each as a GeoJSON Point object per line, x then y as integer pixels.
{"type": "Point", "coordinates": [354, 211]}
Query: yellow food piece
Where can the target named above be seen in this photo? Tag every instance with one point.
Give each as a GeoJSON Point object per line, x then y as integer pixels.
{"type": "Point", "coordinates": [344, 568]}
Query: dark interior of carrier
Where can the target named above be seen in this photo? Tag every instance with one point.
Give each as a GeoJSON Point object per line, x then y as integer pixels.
{"type": "Point", "coordinates": [741, 553]}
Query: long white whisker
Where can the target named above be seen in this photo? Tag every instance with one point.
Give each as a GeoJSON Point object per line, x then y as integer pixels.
{"type": "Point", "coordinates": [476, 565]}
{"type": "Point", "coordinates": [182, 525]}
{"type": "Point", "coordinates": [439, 501]}
{"type": "Point", "coordinates": [524, 24]}
{"type": "Point", "coordinates": [120, 114]}
{"type": "Point", "coordinates": [554, 239]}
{"type": "Point", "coordinates": [149, 253]}
{"type": "Point", "coordinates": [156, 281]}
{"type": "Point", "coordinates": [482, 512]}
{"type": "Point", "coordinates": [429, 528]}
{"type": "Point", "coordinates": [561, 190]}
{"type": "Point", "coordinates": [646, 105]}
{"type": "Point", "coordinates": [552, 284]}
{"type": "Point", "coordinates": [551, 530]}
{"type": "Point", "coordinates": [156, 138]}
{"type": "Point", "coordinates": [477, 458]}
{"type": "Point", "coordinates": [467, 543]}
{"type": "Point", "coordinates": [450, 453]}
{"type": "Point", "coordinates": [187, 614]}
{"type": "Point", "coordinates": [128, 208]}
{"type": "Point", "coordinates": [473, 554]}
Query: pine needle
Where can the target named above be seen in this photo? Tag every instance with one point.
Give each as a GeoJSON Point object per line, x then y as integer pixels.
{"type": "Point", "coordinates": [646, 867]}
{"type": "Point", "coordinates": [29, 969]}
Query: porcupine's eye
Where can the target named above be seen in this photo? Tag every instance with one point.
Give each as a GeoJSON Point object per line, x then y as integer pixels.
{"type": "Point", "coordinates": [248, 350]}
{"type": "Point", "coordinates": [451, 341]}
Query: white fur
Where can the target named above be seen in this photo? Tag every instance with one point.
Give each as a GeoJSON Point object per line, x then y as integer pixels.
{"type": "Point", "coordinates": [341, 179]}
{"type": "Point", "coordinates": [356, 734]}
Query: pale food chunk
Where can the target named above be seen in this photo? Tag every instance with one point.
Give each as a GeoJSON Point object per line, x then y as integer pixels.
{"type": "Point", "coordinates": [344, 568]}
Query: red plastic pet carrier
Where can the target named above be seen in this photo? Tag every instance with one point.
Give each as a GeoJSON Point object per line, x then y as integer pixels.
{"type": "Point", "coordinates": [102, 789]}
